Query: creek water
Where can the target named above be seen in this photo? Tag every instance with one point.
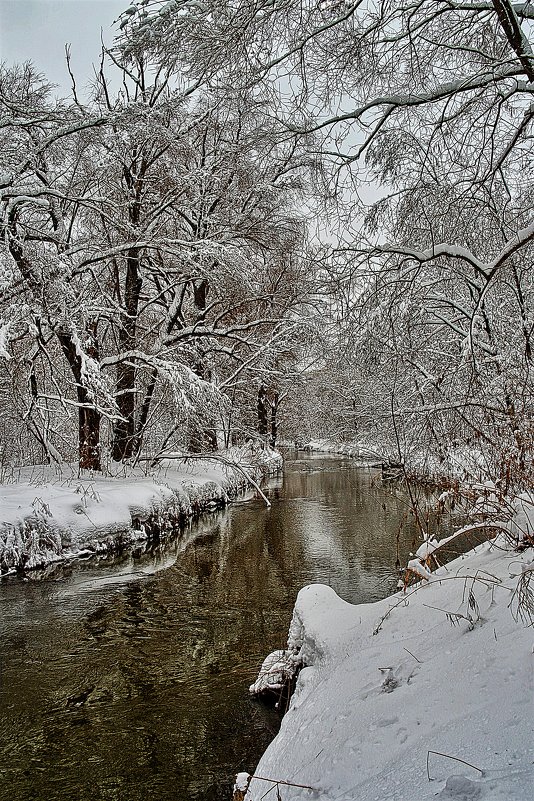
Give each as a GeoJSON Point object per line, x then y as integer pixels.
{"type": "Point", "coordinates": [127, 679]}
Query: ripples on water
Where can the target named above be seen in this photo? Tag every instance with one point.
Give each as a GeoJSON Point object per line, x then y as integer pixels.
{"type": "Point", "coordinates": [126, 679]}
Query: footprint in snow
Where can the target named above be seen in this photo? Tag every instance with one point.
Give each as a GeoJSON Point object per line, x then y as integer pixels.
{"type": "Point", "coordinates": [402, 735]}
{"type": "Point", "coordinates": [460, 788]}
{"type": "Point", "coordinates": [387, 721]}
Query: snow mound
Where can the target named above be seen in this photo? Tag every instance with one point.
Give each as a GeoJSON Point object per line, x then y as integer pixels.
{"type": "Point", "coordinates": [441, 675]}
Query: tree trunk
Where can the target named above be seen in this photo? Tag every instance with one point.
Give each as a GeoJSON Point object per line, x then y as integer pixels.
{"type": "Point", "coordinates": [263, 412]}
{"type": "Point", "coordinates": [88, 415]}
{"type": "Point", "coordinates": [202, 438]}
{"type": "Point", "coordinates": [89, 438]}
{"type": "Point", "coordinates": [124, 434]}
{"type": "Point", "coordinates": [274, 425]}
{"type": "Point", "coordinates": [145, 408]}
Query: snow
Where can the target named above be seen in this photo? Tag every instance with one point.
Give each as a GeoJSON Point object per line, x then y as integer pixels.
{"type": "Point", "coordinates": [47, 517]}
{"type": "Point", "coordinates": [277, 669]}
{"type": "Point", "coordinates": [241, 781]}
{"type": "Point", "coordinates": [416, 567]}
{"type": "Point", "coordinates": [366, 453]}
{"type": "Point", "coordinates": [428, 547]}
{"type": "Point", "coordinates": [413, 683]}
{"type": "Point", "coordinates": [521, 516]}
{"type": "Point", "coordinates": [4, 339]}
{"type": "Point", "coordinates": [463, 464]}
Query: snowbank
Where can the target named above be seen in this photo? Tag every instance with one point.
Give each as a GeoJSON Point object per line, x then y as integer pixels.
{"type": "Point", "coordinates": [46, 517]}
{"type": "Point", "coordinates": [363, 451]}
{"type": "Point", "coordinates": [462, 464]}
{"type": "Point", "coordinates": [390, 692]}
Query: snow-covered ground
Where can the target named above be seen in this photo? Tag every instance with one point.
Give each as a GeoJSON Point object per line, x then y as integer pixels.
{"type": "Point", "coordinates": [396, 697]}
{"type": "Point", "coordinates": [462, 463]}
{"type": "Point", "coordinates": [48, 516]}
{"type": "Point", "coordinates": [360, 450]}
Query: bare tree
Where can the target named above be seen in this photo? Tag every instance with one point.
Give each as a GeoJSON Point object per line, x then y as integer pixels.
{"type": "Point", "coordinates": [431, 103]}
{"type": "Point", "coordinates": [44, 302]}
{"type": "Point", "coordinates": [156, 240]}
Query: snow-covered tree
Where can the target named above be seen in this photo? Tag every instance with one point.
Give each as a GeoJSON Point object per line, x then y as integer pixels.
{"type": "Point", "coordinates": [45, 307]}
{"type": "Point", "coordinates": [157, 244]}
{"type": "Point", "coordinates": [207, 192]}
{"type": "Point", "coordinates": [429, 102]}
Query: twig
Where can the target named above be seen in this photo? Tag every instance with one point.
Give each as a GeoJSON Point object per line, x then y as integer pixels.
{"type": "Point", "coordinates": [277, 782]}
{"type": "Point", "coordinates": [414, 656]}
{"type": "Point", "coordinates": [448, 756]}
{"type": "Point", "coordinates": [523, 596]}
{"type": "Point", "coordinates": [413, 502]}
{"type": "Point", "coordinates": [404, 599]}
{"type": "Point", "coordinates": [281, 781]}
{"type": "Point", "coordinates": [73, 79]}
{"type": "Point", "coordinates": [454, 617]}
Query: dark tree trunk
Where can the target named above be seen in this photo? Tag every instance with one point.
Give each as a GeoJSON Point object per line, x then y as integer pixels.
{"type": "Point", "coordinates": [124, 433]}
{"type": "Point", "coordinates": [89, 438]}
{"type": "Point", "coordinates": [88, 416]}
{"type": "Point", "coordinates": [274, 425]}
{"type": "Point", "coordinates": [512, 30]}
{"type": "Point", "coordinates": [263, 412]}
{"type": "Point", "coordinates": [200, 293]}
{"type": "Point", "coordinates": [202, 438]}
{"type": "Point", "coordinates": [145, 408]}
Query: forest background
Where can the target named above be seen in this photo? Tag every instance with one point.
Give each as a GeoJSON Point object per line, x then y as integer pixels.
{"type": "Point", "coordinates": [275, 219]}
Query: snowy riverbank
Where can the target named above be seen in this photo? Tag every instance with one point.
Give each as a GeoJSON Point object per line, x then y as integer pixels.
{"type": "Point", "coordinates": [48, 515]}
{"type": "Point", "coordinates": [457, 464]}
{"type": "Point", "coordinates": [391, 691]}
{"type": "Point", "coordinates": [359, 450]}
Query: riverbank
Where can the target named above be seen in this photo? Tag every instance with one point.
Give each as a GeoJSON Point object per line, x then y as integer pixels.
{"type": "Point", "coordinates": [458, 465]}
{"type": "Point", "coordinates": [422, 695]}
{"type": "Point", "coordinates": [49, 514]}
{"type": "Point", "coordinates": [358, 450]}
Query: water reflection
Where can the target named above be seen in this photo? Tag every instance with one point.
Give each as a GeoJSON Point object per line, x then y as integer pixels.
{"type": "Point", "coordinates": [129, 681]}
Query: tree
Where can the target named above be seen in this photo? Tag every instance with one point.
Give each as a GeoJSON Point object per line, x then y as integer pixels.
{"type": "Point", "coordinates": [387, 68]}
{"type": "Point", "coordinates": [44, 305]}
{"type": "Point", "coordinates": [213, 284]}
{"type": "Point", "coordinates": [431, 101]}
{"type": "Point", "coordinates": [175, 248]}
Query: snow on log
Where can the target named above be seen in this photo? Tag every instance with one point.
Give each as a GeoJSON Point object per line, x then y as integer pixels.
{"type": "Point", "coordinates": [418, 567]}
{"type": "Point", "coordinates": [242, 781]}
{"type": "Point", "coordinates": [428, 547]}
{"type": "Point", "coordinates": [276, 674]}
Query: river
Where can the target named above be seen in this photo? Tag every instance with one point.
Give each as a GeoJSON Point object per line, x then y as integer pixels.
{"type": "Point", "coordinates": [127, 679]}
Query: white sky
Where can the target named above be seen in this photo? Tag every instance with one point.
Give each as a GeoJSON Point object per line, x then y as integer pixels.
{"type": "Point", "coordinates": [37, 31]}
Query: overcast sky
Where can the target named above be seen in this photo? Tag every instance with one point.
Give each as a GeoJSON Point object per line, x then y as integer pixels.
{"type": "Point", "coordinates": [37, 31]}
